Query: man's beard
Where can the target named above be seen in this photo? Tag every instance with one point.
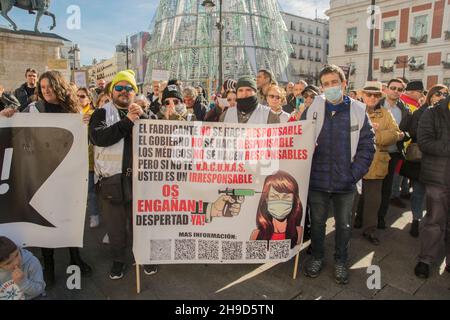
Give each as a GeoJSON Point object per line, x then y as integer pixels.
{"type": "Point", "coordinates": [121, 104]}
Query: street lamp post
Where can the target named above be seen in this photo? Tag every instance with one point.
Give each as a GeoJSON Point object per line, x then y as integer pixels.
{"type": "Point", "coordinates": [74, 50]}
{"type": "Point", "coordinates": [209, 4]}
{"type": "Point", "coordinates": [404, 61]}
{"type": "Point", "coordinates": [372, 27]}
{"type": "Point", "coordinates": [128, 50]}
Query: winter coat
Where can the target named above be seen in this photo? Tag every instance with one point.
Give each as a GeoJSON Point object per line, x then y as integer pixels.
{"type": "Point", "coordinates": [21, 95]}
{"type": "Point", "coordinates": [386, 135]}
{"type": "Point", "coordinates": [433, 136]}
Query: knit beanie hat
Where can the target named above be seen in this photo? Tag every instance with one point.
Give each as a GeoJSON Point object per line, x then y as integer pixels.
{"type": "Point", "coordinates": [126, 75]}
{"type": "Point", "coordinates": [246, 81]}
{"type": "Point", "coordinates": [172, 91]}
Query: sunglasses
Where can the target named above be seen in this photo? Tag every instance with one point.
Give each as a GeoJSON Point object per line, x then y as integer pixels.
{"type": "Point", "coordinates": [175, 102]}
{"type": "Point", "coordinates": [271, 96]}
{"type": "Point", "coordinates": [376, 95]}
{"type": "Point", "coordinates": [396, 89]}
{"type": "Point", "coordinates": [121, 88]}
{"type": "Point", "coordinates": [441, 94]}
{"type": "Point", "coordinates": [81, 96]}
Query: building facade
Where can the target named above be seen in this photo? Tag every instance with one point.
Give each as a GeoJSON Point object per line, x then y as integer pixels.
{"type": "Point", "coordinates": [411, 40]}
{"type": "Point", "coordinates": [107, 68]}
{"type": "Point", "coordinates": [309, 38]}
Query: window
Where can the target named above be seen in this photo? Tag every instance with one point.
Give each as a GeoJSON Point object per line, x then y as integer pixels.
{"type": "Point", "coordinates": [292, 25]}
{"type": "Point", "coordinates": [389, 31]}
{"type": "Point", "coordinates": [388, 63]}
{"type": "Point", "coordinates": [420, 26]}
{"type": "Point", "coordinates": [352, 37]}
{"type": "Point", "coordinates": [447, 82]}
{"type": "Point", "coordinates": [448, 57]}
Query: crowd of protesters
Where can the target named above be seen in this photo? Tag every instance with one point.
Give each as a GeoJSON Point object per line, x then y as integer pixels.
{"type": "Point", "coordinates": [391, 136]}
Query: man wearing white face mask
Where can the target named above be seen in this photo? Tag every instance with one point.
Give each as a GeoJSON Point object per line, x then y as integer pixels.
{"type": "Point", "coordinates": [344, 151]}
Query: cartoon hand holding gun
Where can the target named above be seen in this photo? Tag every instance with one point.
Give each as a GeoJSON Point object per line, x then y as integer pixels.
{"type": "Point", "coordinates": [229, 203]}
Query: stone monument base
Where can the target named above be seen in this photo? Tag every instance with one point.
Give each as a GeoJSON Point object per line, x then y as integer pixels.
{"type": "Point", "coordinates": [20, 50]}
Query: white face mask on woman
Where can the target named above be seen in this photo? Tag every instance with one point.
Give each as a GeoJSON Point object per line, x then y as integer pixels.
{"type": "Point", "coordinates": [279, 209]}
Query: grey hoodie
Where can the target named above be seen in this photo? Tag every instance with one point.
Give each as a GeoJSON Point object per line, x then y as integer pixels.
{"type": "Point", "coordinates": [32, 285]}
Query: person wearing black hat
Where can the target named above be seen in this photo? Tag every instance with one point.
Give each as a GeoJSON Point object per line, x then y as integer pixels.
{"type": "Point", "coordinates": [248, 110]}
{"type": "Point", "coordinates": [308, 94]}
{"type": "Point", "coordinates": [413, 93]}
{"type": "Point", "coordinates": [173, 107]}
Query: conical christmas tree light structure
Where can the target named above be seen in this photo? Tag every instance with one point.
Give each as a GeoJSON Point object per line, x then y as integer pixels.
{"type": "Point", "coordinates": [185, 40]}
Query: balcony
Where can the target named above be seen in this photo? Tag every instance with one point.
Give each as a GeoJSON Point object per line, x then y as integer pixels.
{"type": "Point", "coordinates": [446, 65]}
{"type": "Point", "coordinates": [301, 30]}
{"type": "Point", "coordinates": [318, 60]}
{"type": "Point", "coordinates": [388, 43]}
{"type": "Point", "coordinates": [416, 41]}
{"type": "Point", "coordinates": [416, 67]}
{"type": "Point", "coordinates": [311, 45]}
{"type": "Point", "coordinates": [302, 43]}
{"type": "Point", "coordinates": [349, 48]}
{"type": "Point", "coordinates": [310, 32]}
{"type": "Point", "coordinates": [301, 57]}
{"type": "Point", "coordinates": [293, 55]}
{"type": "Point", "coordinates": [387, 69]}
{"type": "Point", "coordinates": [318, 33]}
{"type": "Point", "coordinates": [311, 59]}
{"type": "Point", "coordinates": [318, 46]}
{"type": "Point", "coordinates": [447, 35]}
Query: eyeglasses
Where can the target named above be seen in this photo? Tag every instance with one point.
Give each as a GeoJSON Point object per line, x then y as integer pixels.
{"type": "Point", "coordinates": [396, 89]}
{"type": "Point", "coordinates": [121, 88]}
{"type": "Point", "coordinates": [271, 96]}
{"type": "Point", "coordinates": [81, 96]}
{"type": "Point", "coordinates": [441, 94]}
{"type": "Point", "coordinates": [175, 102]}
{"type": "Point", "coordinates": [376, 95]}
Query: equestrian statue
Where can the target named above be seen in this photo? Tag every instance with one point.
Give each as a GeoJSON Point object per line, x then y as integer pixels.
{"type": "Point", "coordinates": [39, 7]}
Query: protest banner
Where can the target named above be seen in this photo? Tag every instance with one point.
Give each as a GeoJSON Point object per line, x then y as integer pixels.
{"type": "Point", "coordinates": [219, 193]}
{"type": "Point", "coordinates": [43, 187]}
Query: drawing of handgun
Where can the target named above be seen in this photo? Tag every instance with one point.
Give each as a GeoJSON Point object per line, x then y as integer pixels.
{"type": "Point", "coordinates": [238, 195]}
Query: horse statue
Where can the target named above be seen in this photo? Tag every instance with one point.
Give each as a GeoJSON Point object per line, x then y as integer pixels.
{"type": "Point", "coordinates": [40, 6]}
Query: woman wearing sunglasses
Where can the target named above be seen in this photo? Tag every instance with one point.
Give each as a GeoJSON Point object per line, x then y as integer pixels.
{"type": "Point", "coordinates": [276, 98]}
{"type": "Point", "coordinates": [173, 107]}
{"type": "Point", "coordinates": [309, 94]}
{"type": "Point", "coordinates": [386, 134]}
{"type": "Point", "coordinates": [411, 169]}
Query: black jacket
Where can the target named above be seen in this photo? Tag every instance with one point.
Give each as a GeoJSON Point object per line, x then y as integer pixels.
{"type": "Point", "coordinates": [8, 101]}
{"type": "Point", "coordinates": [200, 108]}
{"type": "Point", "coordinates": [22, 95]}
{"type": "Point", "coordinates": [105, 136]}
{"type": "Point", "coordinates": [155, 106]}
{"type": "Point", "coordinates": [403, 125]}
{"type": "Point", "coordinates": [433, 136]}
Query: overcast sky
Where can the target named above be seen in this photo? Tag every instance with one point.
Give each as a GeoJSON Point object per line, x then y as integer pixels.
{"type": "Point", "coordinates": [105, 23]}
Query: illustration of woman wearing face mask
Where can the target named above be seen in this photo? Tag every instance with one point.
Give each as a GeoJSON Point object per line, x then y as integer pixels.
{"type": "Point", "coordinates": [279, 214]}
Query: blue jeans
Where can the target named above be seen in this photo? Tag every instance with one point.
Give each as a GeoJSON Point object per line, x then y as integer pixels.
{"type": "Point", "coordinates": [417, 197]}
{"type": "Point", "coordinates": [340, 204]}
{"type": "Point", "coordinates": [92, 204]}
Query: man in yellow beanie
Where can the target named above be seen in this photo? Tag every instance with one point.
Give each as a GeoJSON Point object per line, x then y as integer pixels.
{"type": "Point", "coordinates": [128, 76]}
{"type": "Point", "coordinates": [110, 131]}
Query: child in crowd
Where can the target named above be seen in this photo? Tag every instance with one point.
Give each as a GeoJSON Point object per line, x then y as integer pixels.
{"type": "Point", "coordinates": [21, 275]}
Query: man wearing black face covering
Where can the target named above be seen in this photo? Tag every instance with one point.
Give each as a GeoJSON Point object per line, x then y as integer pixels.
{"type": "Point", "coordinates": [248, 109]}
